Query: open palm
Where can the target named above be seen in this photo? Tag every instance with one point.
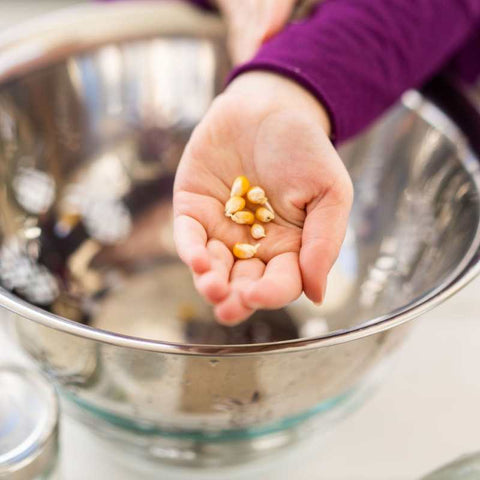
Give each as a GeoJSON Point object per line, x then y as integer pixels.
{"type": "Point", "coordinates": [273, 133]}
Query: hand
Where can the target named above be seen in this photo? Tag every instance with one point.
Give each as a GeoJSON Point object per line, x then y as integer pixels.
{"type": "Point", "coordinates": [252, 22]}
{"type": "Point", "coordinates": [273, 131]}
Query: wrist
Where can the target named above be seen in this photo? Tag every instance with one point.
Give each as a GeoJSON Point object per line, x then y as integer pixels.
{"type": "Point", "coordinates": [278, 92]}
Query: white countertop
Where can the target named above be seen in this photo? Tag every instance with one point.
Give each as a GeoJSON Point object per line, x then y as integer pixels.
{"type": "Point", "coordinates": [425, 414]}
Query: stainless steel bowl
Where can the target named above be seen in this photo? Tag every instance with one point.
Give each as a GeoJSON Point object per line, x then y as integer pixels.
{"type": "Point", "coordinates": [96, 104]}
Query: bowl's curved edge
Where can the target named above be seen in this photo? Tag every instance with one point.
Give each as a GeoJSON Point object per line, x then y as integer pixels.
{"type": "Point", "coordinates": [71, 30]}
{"type": "Point", "coordinates": [20, 52]}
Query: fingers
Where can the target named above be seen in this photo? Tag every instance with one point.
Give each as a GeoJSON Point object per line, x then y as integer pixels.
{"type": "Point", "coordinates": [323, 234]}
{"type": "Point", "coordinates": [251, 22]}
{"type": "Point", "coordinates": [243, 43]}
{"type": "Point", "coordinates": [232, 310]}
{"type": "Point", "coordinates": [213, 284]}
{"type": "Point", "coordinates": [276, 14]}
{"type": "Point", "coordinates": [190, 240]}
{"type": "Point", "coordinates": [280, 284]}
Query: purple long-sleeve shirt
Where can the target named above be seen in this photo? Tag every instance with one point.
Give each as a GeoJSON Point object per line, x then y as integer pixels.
{"type": "Point", "coordinates": [358, 56]}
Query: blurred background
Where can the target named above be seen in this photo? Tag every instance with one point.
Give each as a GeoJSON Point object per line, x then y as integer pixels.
{"type": "Point", "coordinates": [424, 414]}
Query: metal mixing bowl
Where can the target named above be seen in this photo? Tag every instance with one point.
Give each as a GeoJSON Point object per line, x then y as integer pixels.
{"type": "Point", "coordinates": [96, 105]}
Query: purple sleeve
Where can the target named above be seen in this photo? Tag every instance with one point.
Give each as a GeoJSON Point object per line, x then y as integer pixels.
{"type": "Point", "coordinates": [358, 56]}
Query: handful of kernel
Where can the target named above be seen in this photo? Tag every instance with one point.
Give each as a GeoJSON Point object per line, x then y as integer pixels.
{"type": "Point", "coordinates": [235, 208]}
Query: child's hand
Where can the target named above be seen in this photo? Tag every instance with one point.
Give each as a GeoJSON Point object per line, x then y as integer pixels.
{"type": "Point", "coordinates": [251, 22]}
{"type": "Point", "coordinates": [275, 133]}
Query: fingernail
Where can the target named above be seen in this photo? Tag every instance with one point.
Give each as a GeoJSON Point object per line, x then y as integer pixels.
{"type": "Point", "coordinates": [324, 290]}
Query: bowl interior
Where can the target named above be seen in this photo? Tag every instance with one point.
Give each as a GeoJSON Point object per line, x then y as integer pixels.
{"type": "Point", "coordinates": [88, 151]}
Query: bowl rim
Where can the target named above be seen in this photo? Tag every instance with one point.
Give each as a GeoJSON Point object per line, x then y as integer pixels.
{"type": "Point", "coordinates": [49, 38]}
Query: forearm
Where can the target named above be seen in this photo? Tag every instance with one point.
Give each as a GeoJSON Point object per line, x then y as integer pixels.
{"type": "Point", "coordinates": [358, 56]}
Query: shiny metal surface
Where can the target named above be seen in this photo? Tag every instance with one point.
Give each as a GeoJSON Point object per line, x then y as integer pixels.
{"type": "Point", "coordinates": [91, 129]}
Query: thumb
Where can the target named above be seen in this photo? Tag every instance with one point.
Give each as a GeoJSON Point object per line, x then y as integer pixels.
{"type": "Point", "coordinates": [323, 233]}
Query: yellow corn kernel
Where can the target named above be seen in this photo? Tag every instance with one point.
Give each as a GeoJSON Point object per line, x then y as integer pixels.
{"type": "Point", "coordinates": [257, 195]}
{"type": "Point", "coordinates": [264, 214]}
{"type": "Point", "coordinates": [257, 231]}
{"type": "Point", "coordinates": [240, 186]}
{"type": "Point", "coordinates": [233, 205]}
{"type": "Point", "coordinates": [243, 217]}
{"type": "Point", "coordinates": [245, 250]}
